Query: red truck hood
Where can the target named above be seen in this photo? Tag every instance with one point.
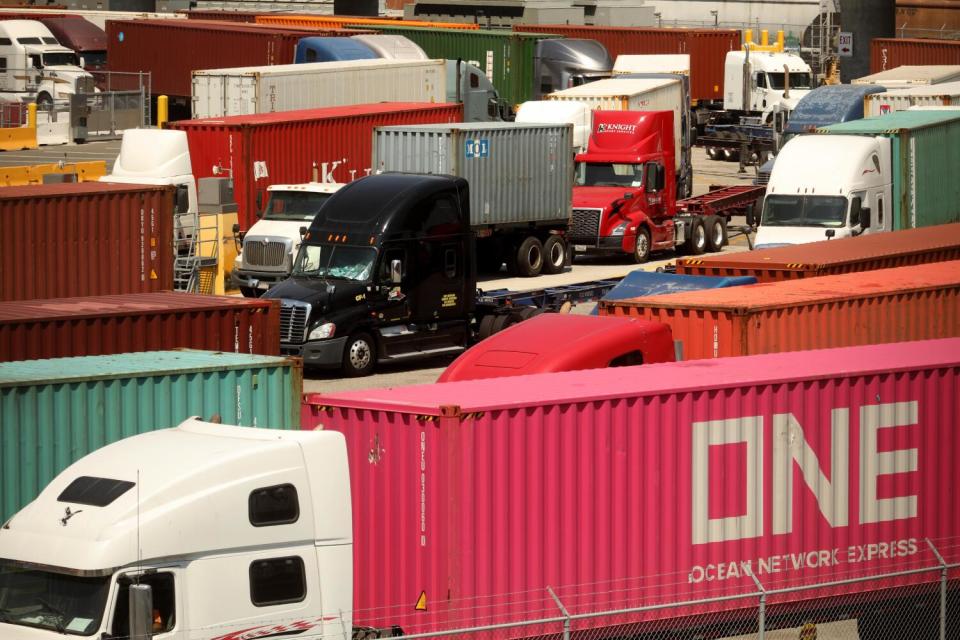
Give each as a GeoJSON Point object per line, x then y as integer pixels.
{"type": "Point", "coordinates": [600, 197]}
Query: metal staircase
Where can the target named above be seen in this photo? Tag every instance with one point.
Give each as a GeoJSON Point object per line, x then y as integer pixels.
{"type": "Point", "coordinates": [198, 249]}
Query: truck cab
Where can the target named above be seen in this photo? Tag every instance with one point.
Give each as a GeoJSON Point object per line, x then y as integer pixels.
{"type": "Point", "coordinates": [562, 63]}
{"type": "Point", "coordinates": [179, 513]}
{"type": "Point", "coordinates": [271, 244]}
{"type": "Point", "coordinates": [318, 49]}
{"type": "Point", "coordinates": [36, 64]}
{"type": "Point", "coordinates": [624, 193]}
{"type": "Point", "coordinates": [764, 82]}
{"type": "Point", "coordinates": [816, 193]}
{"type": "Point", "coordinates": [385, 272]}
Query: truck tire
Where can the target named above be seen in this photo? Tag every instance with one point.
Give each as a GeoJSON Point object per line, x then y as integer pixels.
{"type": "Point", "coordinates": [529, 258]}
{"type": "Point", "coordinates": [697, 242]}
{"type": "Point", "coordinates": [359, 356]}
{"type": "Point", "coordinates": [486, 326]}
{"type": "Point", "coordinates": [554, 255]}
{"type": "Point", "coordinates": [501, 322]}
{"type": "Point", "coordinates": [528, 312]}
{"type": "Point", "coordinates": [716, 229]}
{"type": "Point", "coordinates": [641, 249]}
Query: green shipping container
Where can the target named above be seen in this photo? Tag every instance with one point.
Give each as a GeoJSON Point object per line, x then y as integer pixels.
{"type": "Point", "coordinates": [506, 57]}
{"type": "Point", "coordinates": [54, 412]}
{"type": "Point", "coordinates": [926, 163]}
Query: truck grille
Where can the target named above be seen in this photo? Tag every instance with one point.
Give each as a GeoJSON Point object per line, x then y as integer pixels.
{"type": "Point", "coordinates": [293, 321]}
{"type": "Point", "coordinates": [585, 226]}
{"type": "Point", "coordinates": [257, 253]}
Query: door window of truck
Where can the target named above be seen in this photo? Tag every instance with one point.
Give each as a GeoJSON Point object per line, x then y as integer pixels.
{"type": "Point", "coordinates": [277, 581]}
{"type": "Point", "coordinates": [164, 604]}
{"type": "Point", "coordinates": [609, 174]}
{"type": "Point", "coordinates": [804, 211]}
{"type": "Point", "coordinates": [46, 600]}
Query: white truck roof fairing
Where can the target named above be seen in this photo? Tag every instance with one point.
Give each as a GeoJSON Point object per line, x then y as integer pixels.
{"type": "Point", "coordinates": [193, 484]}
{"type": "Point", "coordinates": [27, 29]}
{"type": "Point", "coordinates": [824, 165]}
{"type": "Point", "coordinates": [309, 187]}
{"type": "Point", "coordinates": [151, 153]}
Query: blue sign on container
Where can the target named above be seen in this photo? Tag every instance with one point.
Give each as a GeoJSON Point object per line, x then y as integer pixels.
{"type": "Point", "coordinates": [477, 148]}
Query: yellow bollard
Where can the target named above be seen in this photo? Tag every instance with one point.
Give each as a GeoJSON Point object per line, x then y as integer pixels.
{"type": "Point", "coordinates": [32, 116]}
{"type": "Point", "coordinates": [764, 38]}
{"type": "Point", "coordinates": [780, 40]}
{"type": "Point", "coordinates": [748, 36]}
{"type": "Point", "coordinates": [163, 111]}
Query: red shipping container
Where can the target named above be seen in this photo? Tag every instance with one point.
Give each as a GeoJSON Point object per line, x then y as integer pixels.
{"type": "Point", "coordinates": [890, 53]}
{"type": "Point", "coordinates": [222, 15]}
{"type": "Point", "coordinates": [638, 486]}
{"type": "Point", "coordinates": [104, 325]}
{"type": "Point", "coordinates": [172, 49]}
{"type": "Point", "coordinates": [707, 48]}
{"type": "Point", "coordinates": [281, 148]}
{"type": "Point", "coordinates": [85, 239]}
{"type": "Point", "coordinates": [887, 305]}
{"type": "Point", "coordinates": [829, 257]}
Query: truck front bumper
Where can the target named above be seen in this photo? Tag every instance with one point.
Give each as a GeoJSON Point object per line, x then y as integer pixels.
{"type": "Point", "coordinates": [324, 354]}
{"type": "Point", "coordinates": [609, 244]}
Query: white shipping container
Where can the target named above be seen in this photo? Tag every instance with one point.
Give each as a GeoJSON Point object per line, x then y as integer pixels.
{"type": "Point", "coordinates": [579, 114]}
{"type": "Point", "coordinates": [248, 90]}
{"type": "Point", "coordinates": [640, 94]}
{"type": "Point", "coordinates": [935, 95]}
{"type": "Point", "coordinates": [678, 63]}
{"type": "Point", "coordinates": [911, 75]}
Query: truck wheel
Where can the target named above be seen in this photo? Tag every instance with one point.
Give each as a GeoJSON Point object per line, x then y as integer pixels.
{"type": "Point", "coordinates": [528, 312]}
{"type": "Point", "coordinates": [716, 229]}
{"type": "Point", "coordinates": [697, 242]}
{"type": "Point", "coordinates": [555, 255]}
{"type": "Point", "coordinates": [486, 326]}
{"type": "Point", "coordinates": [44, 100]}
{"type": "Point", "coordinates": [359, 356]}
{"type": "Point", "coordinates": [529, 257]}
{"type": "Point", "coordinates": [641, 250]}
{"type": "Point", "coordinates": [501, 322]}
{"type": "Point", "coordinates": [713, 153]}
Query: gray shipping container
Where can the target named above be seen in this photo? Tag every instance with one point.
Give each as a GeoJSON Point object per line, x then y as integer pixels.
{"type": "Point", "coordinates": [518, 173]}
{"type": "Point", "coordinates": [54, 412]}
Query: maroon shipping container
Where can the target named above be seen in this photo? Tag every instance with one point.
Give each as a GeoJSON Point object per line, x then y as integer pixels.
{"type": "Point", "coordinates": [104, 325]}
{"type": "Point", "coordinates": [281, 148]}
{"type": "Point", "coordinates": [707, 48]}
{"type": "Point", "coordinates": [223, 15]}
{"type": "Point", "coordinates": [664, 483]}
{"type": "Point", "coordinates": [84, 239]}
{"type": "Point", "coordinates": [889, 53]}
{"type": "Point", "coordinates": [171, 49]}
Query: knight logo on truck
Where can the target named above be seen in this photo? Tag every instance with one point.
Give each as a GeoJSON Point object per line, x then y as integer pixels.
{"type": "Point", "coordinates": [736, 448]}
{"type": "Point", "coordinates": [616, 127]}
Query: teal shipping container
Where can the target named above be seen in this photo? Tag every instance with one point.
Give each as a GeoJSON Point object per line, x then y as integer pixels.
{"type": "Point", "coordinates": [507, 58]}
{"type": "Point", "coordinates": [53, 412]}
{"type": "Point", "coordinates": [925, 158]}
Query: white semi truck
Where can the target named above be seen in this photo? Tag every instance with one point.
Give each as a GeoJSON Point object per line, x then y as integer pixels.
{"type": "Point", "coordinates": [37, 66]}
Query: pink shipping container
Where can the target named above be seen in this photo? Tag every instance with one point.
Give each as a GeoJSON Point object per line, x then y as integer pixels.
{"type": "Point", "coordinates": [890, 53]}
{"type": "Point", "coordinates": [707, 48]}
{"type": "Point", "coordinates": [918, 302]}
{"type": "Point", "coordinates": [171, 49]}
{"type": "Point", "coordinates": [281, 148]}
{"type": "Point", "coordinates": [104, 325]}
{"type": "Point", "coordinates": [85, 239]}
{"type": "Point", "coordinates": [629, 487]}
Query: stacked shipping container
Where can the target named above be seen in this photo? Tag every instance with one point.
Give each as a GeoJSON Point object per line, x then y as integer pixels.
{"type": "Point", "coordinates": [84, 239]}
{"type": "Point", "coordinates": [889, 53]}
{"type": "Point", "coordinates": [103, 325]}
{"type": "Point", "coordinates": [277, 148]}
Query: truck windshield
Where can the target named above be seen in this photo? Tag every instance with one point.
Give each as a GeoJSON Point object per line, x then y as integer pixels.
{"type": "Point", "coordinates": [609, 174]}
{"type": "Point", "coordinates": [797, 81]}
{"type": "Point", "coordinates": [61, 59]}
{"type": "Point", "coordinates": [66, 604]}
{"type": "Point", "coordinates": [335, 261]}
{"type": "Point", "coordinates": [301, 205]}
{"type": "Point", "coordinates": [804, 211]}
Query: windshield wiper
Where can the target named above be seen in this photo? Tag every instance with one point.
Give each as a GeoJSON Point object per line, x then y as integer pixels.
{"type": "Point", "coordinates": [61, 616]}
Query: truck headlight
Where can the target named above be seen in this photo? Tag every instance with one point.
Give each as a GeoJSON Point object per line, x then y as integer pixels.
{"type": "Point", "coordinates": [322, 331]}
{"type": "Point", "coordinates": [620, 229]}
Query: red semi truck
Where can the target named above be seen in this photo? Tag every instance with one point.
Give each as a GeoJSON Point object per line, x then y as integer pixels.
{"type": "Point", "coordinates": [625, 200]}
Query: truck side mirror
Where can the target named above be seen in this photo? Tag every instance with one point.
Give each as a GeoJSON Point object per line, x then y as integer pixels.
{"type": "Point", "coordinates": [830, 233]}
{"type": "Point", "coordinates": [183, 199]}
{"type": "Point", "coordinates": [865, 218]}
{"type": "Point", "coordinates": [141, 611]}
{"type": "Point", "coordinates": [396, 271]}
{"type": "Point", "coordinates": [751, 213]}
{"type": "Point", "coordinates": [303, 232]}
{"type": "Point", "coordinates": [855, 211]}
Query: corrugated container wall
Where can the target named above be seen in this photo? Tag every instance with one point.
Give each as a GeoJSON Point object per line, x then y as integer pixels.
{"type": "Point", "coordinates": [707, 48]}
{"type": "Point", "coordinates": [171, 49]}
{"type": "Point", "coordinates": [926, 163]}
{"type": "Point", "coordinates": [889, 53]}
{"type": "Point", "coordinates": [367, 23]}
{"type": "Point", "coordinates": [517, 173]}
{"type": "Point", "coordinates": [622, 488]}
{"type": "Point", "coordinates": [938, 95]}
{"type": "Point", "coordinates": [247, 90]}
{"type": "Point", "coordinates": [53, 412]}
{"type": "Point", "coordinates": [830, 257]}
{"type": "Point", "coordinates": [219, 14]}
{"type": "Point", "coordinates": [887, 305]}
{"type": "Point", "coordinates": [104, 325]}
{"type": "Point", "coordinates": [281, 148]}
{"type": "Point", "coordinates": [84, 239]}
{"type": "Point", "coordinates": [507, 58]}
